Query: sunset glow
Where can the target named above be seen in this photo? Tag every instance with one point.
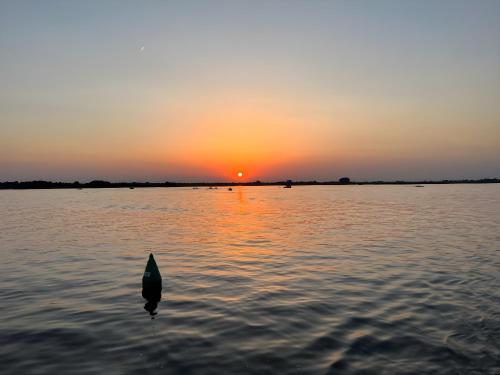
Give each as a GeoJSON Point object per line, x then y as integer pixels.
{"type": "Point", "coordinates": [291, 92]}
{"type": "Point", "coordinates": [249, 187]}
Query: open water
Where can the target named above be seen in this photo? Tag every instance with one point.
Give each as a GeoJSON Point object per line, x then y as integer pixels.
{"type": "Point", "coordinates": [258, 280]}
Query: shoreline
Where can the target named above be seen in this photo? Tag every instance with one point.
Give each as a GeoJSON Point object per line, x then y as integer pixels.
{"type": "Point", "coordinates": [99, 184]}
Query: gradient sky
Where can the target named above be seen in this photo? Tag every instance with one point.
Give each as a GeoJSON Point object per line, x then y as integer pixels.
{"type": "Point", "coordinates": [197, 90]}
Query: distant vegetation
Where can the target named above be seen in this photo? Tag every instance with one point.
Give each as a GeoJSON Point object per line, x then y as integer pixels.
{"type": "Point", "coordinates": [107, 184]}
{"type": "Point", "coordinates": [344, 180]}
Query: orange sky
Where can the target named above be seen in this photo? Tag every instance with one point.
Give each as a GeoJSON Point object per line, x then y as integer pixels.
{"type": "Point", "coordinates": [182, 92]}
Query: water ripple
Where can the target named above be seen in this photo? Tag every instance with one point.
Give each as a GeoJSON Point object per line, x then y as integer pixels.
{"type": "Point", "coordinates": [309, 280]}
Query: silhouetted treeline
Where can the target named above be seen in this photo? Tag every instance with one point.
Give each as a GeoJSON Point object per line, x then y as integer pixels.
{"type": "Point", "coordinates": [107, 184]}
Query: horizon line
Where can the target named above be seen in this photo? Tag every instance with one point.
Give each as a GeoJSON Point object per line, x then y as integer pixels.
{"type": "Point", "coordinates": [44, 184]}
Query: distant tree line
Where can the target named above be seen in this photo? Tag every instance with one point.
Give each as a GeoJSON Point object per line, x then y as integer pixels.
{"type": "Point", "coordinates": [39, 184]}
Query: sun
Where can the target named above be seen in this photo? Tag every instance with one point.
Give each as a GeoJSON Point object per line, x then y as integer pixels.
{"type": "Point", "coordinates": [240, 174]}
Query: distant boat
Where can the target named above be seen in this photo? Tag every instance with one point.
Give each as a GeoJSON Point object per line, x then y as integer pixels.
{"type": "Point", "coordinates": [230, 189]}
{"type": "Point", "coordinates": [131, 187]}
{"type": "Point", "coordinates": [419, 185]}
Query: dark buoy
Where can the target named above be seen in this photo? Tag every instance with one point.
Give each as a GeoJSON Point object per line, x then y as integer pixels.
{"type": "Point", "coordinates": [151, 285]}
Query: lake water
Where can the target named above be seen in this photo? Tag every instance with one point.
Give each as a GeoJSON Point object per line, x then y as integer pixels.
{"type": "Point", "coordinates": [258, 280]}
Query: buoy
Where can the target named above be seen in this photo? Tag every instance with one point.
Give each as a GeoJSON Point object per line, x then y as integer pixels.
{"type": "Point", "coordinates": [151, 281]}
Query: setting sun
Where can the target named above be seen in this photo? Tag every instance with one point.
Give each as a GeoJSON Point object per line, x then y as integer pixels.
{"type": "Point", "coordinates": [357, 123]}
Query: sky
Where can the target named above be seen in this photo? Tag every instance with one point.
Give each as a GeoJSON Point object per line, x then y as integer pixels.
{"type": "Point", "coordinates": [199, 90]}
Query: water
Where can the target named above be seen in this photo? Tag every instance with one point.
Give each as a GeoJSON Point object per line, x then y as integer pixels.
{"type": "Point", "coordinates": [260, 280]}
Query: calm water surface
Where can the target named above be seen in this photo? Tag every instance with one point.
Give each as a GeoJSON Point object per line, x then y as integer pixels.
{"type": "Point", "coordinates": [260, 280]}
